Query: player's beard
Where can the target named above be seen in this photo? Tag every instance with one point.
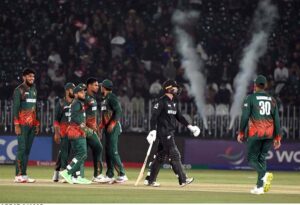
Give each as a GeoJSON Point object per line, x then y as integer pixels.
{"type": "Point", "coordinates": [71, 95]}
{"type": "Point", "coordinates": [102, 93]}
{"type": "Point", "coordinates": [28, 83]}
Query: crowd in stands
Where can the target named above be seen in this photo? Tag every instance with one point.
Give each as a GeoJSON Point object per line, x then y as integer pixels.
{"type": "Point", "coordinates": [132, 43]}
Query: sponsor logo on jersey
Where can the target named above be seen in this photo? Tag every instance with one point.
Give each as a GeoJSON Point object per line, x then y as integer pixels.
{"type": "Point", "coordinates": [103, 107]}
{"type": "Point", "coordinates": [31, 100]}
{"type": "Point", "coordinates": [172, 112]}
{"type": "Point", "coordinates": [94, 108]}
{"type": "Point", "coordinates": [156, 106]}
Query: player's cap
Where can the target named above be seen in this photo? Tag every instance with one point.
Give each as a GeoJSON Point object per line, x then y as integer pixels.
{"type": "Point", "coordinates": [107, 84]}
{"type": "Point", "coordinates": [260, 80]}
{"type": "Point", "coordinates": [82, 85]}
{"type": "Point", "coordinates": [69, 86]}
{"type": "Point", "coordinates": [28, 71]}
{"type": "Point", "coordinates": [79, 88]}
{"type": "Point", "coordinates": [169, 84]}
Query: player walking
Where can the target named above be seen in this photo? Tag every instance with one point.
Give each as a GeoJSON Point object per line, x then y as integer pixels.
{"type": "Point", "coordinates": [62, 114]}
{"type": "Point", "coordinates": [163, 124]}
{"type": "Point", "coordinates": [260, 115]}
{"type": "Point", "coordinates": [91, 122]}
{"type": "Point", "coordinates": [110, 125]}
{"type": "Point", "coordinates": [26, 123]}
{"type": "Point", "coordinates": [76, 133]}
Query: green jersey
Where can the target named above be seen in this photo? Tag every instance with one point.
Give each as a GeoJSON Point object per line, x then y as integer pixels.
{"type": "Point", "coordinates": [24, 105]}
{"type": "Point", "coordinates": [62, 115]}
{"type": "Point", "coordinates": [111, 111]}
{"type": "Point", "coordinates": [260, 116]}
{"type": "Point", "coordinates": [76, 120]}
{"type": "Point", "coordinates": [91, 111]}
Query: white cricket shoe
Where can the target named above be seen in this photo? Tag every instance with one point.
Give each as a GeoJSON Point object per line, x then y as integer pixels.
{"type": "Point", "coordinates": [154, 184]}
{"type": "Point", "coordinates": [19, 179]}
{"type": "Point", "coordinates": [257, 191]}
{"type": "Point", "coordinates": [23, 179]}
{"type": "Point", "coordinates": [97, 179]}
{"type": "Point", "coordinates": [29, 180]}
{"type": "Point", "coordinates": [187, 182]}
{"type": "Point", "coordinates": [55, 177]}
{"type": "Point", "coordinates": [107, 179]}
{"type": "Point", "coordinates": [122, 179]}
{"type": "Point", "coordinates": [267, 179]}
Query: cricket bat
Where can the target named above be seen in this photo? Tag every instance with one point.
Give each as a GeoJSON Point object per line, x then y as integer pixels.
{"type": "Point", "coordinates": [144, 165]}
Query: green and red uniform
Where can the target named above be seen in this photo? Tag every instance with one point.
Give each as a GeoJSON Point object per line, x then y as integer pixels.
{"type": "Point", "coordinates": [61, 120]}
{"type": "Point", "coordinates": [76, 133]}
{"type": "Point", "coordinates": [260, 124]}
{"type": "Point", "coordinates": [92, 138]}
{"type": "Point", "coordinates": [25, 115]}
{"type": "Point", "coordinates": [110, 123]}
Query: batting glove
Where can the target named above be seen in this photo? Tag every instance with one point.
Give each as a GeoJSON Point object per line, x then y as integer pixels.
{"type": "Point", "coordinates": [194, 129]}
{"type": "Point", "coordinates": [151, 136]}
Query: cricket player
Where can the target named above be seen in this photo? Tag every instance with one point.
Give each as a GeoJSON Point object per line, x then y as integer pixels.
{"type": "Point", "coordinates": [76, 133]}
{"type": "Point", "coordinates": [91, 122]}
{"type": "Point", "coordinates": [260, 117]}
{"type": "Point", "coordinates": [25, 122]}
{"type": "Point", "coordinates": [163, 124]}
{"type": "Point", "coordinates": [61, 118]}
{"type": "Point", "coordinates": [110, 126]}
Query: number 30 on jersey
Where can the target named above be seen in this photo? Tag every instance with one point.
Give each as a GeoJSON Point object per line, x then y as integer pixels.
{"type": "Point", "coordinates": [265, 107]}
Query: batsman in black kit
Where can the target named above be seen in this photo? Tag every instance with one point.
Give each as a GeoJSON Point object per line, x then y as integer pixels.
{"type": "Point", "coordinates": [163, 124]}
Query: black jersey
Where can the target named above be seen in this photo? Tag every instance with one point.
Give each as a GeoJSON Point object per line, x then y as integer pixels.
{"type": "Point", "coordinates": [165, 114]}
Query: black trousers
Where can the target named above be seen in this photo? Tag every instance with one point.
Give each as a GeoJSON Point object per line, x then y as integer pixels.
{"type": "Point", "coordinates": [167, 151]}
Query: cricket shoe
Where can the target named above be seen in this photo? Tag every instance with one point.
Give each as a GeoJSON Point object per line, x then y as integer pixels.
{"type": "Point", "coordinates": [19, 179]}
{"type": "Point", "coordinates": [81, 180]}
{"type": "Point", "coordinates": [55, 177]}
{"type": "Point", "coordinates": [97, 178]}
{"type": "Point", "coordinates": [154, 184]}
{"type": "Point", "coordinates": [28, 180]}
{"type": "Point", "coordinates": [257, 191]}
{"type": "Point", "coordinates": [122, 179]}
{"type": "Point", "coordinates": [23, 179]}
{"type": "Point", "coordinates": [267, 179]}
{"type": "Point", "coordinates": [107, 179]}
{"type": "Point", "coordinates": [64, 174]}
{"type": "Point", "coordinates": [187, 182]}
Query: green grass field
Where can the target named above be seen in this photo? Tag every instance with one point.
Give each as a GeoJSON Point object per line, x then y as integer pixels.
{"type": "Point", "coordinates": [209, 186]}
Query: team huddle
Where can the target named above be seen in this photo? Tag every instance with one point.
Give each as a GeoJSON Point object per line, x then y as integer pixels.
{"type": "Point", "coordinates": [79, 124]}
{"type": "Point", "coordinates": [82, 130]}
